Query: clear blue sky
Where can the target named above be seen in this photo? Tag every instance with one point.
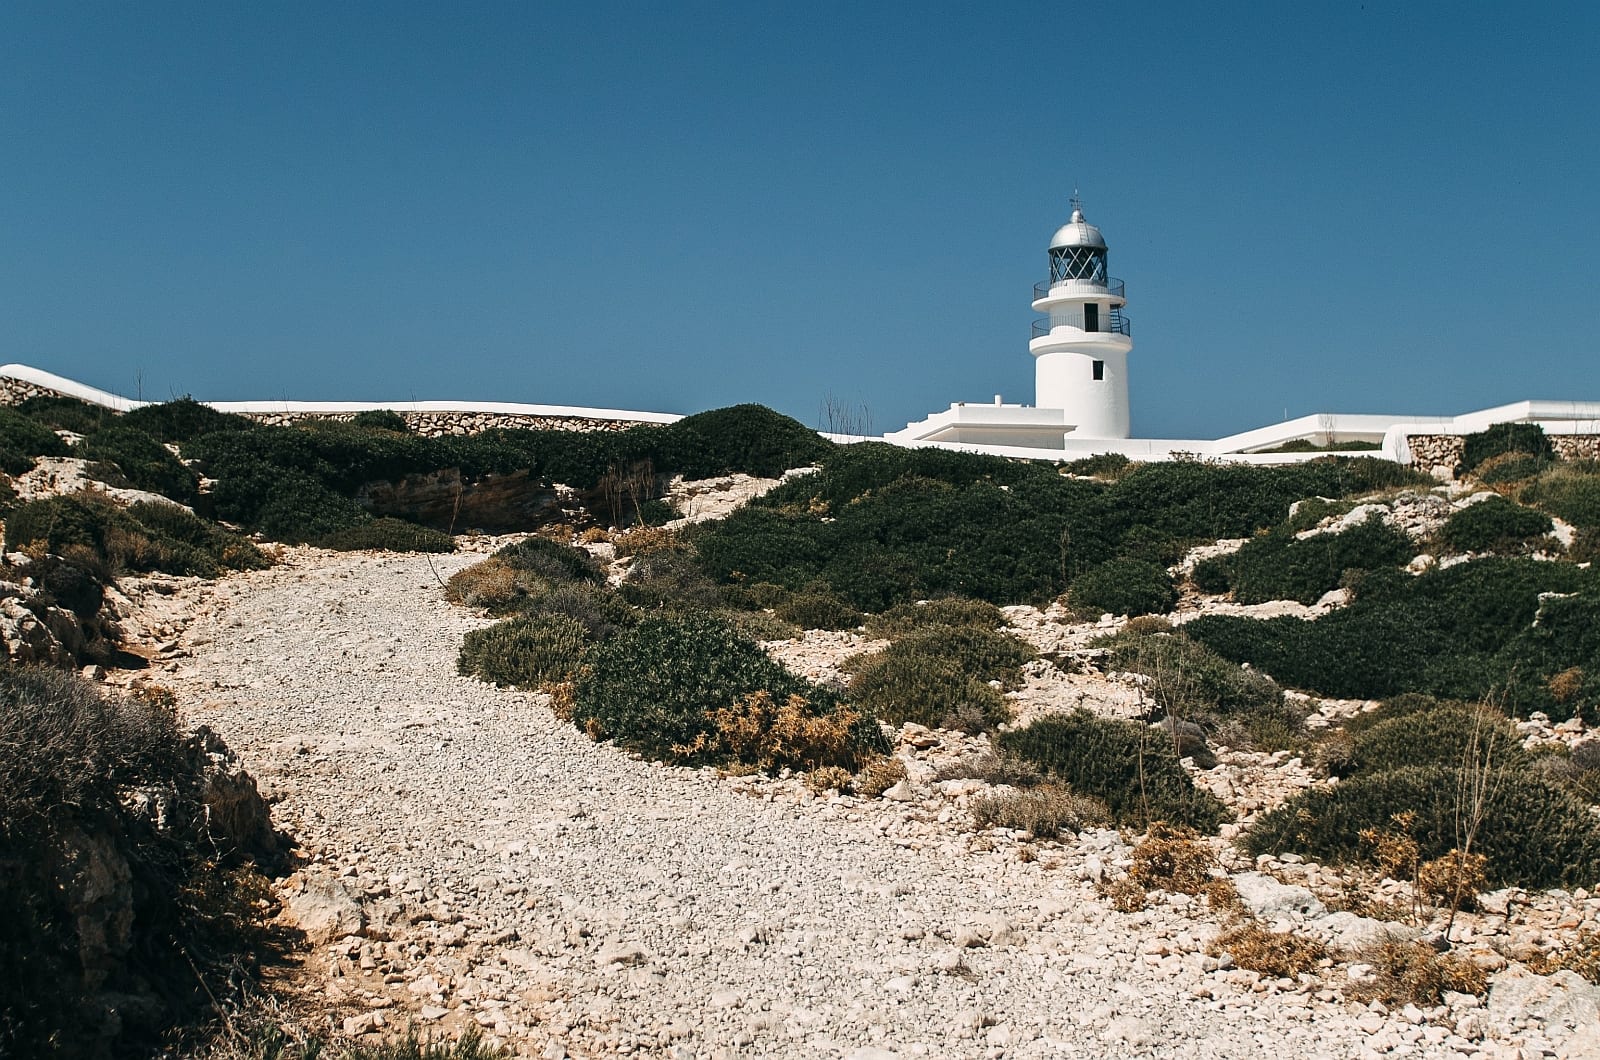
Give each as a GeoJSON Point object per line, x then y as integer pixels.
{"type": "Point", "coordinates": [1380, 207]}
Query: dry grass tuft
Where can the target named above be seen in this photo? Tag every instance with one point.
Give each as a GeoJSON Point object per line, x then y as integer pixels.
{"type": "Point", "coordinates": [492, 584]}
{"type": "Point", "coordinates": [1583, 957]}
{"type": "Point", "coordinates": [1417, 973]}
{"type": "Point", "coordinates": [878, 776]}
{"type": "Point", "coordinates": [563, 698]}
{"type": "Point", "coordinates": [1565, 686]}
{"type": "Point", "coordinates": [1281, 954]}
{"type": "Point", "coordinates": [1046, 811]}
{"type": "Point", "coordinates": [1124, 894]}
{"type": "Point", "coordinates": [1172, 859]}
{"type": "Point", "coordinates": [768, 735]}
{"type": "Point", "coordinates": [1455, 880]}
{"type": "Point", "coordinates": [595, 535]}
{"type": "Point", "coordinates": [644, 540]}
{"type": "Point", "coordinates": [992, 768]}
{"type": "Point", "coordinates": [828, 778]}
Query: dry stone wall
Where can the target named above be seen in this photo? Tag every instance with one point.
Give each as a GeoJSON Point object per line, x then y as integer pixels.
{"type": "Point", "coordinates": [1430, 452]}
{"type": "Point", "coordinates": [439, 424]}
{"type": "Point", "coordinates": [433, 424]}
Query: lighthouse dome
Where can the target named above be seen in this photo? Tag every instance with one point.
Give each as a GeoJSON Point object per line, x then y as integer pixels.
{"type": "Point", "coordinates": [1077, 233]}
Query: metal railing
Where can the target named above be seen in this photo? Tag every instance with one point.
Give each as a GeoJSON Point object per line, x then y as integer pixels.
{"type": "Point", "coordinates": [1113, 286]}
{"type": "Point", "coordinates": [1116, 325]}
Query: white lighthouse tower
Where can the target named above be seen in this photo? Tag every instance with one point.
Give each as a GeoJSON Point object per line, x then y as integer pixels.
{"type": "Point", "coordinates": [1081, 350]}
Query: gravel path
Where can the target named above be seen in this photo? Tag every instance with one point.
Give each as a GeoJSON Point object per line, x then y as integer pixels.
{"type": "Point", "coordinates": [575, 901]}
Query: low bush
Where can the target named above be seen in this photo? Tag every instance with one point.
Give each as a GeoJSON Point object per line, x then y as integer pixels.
{"type": "Point", "coordinates": [1191, 682]}
{"type": "Point", "coordinates": [1139, 779]}
{"type": "Point", "coordinates": [756, 731]}
{"type": "Point", "coordinates": [296, 508]}
{"type": "Point", "coordinates": [1504, 438]}
{"type": "Point", "coordinates": [93, 531]}
{"type": "Point", "coordinates": [1392, 637]}
{"type": "Point", "coordinates": [1532, 834]}
{"type": "Point", "coordinates": [899, 686]}
{"type": "Point", "coordinates": [653, 688]}
{"type": "Point", "coordinates": [1495, 525]}
{"type": "Point", "coordinates": [524, 652]}
{"type": "Point", "coordinates": [669, 580]}
{"type": "Point", "coordinates": [751, 439]}
{"type": "Point", "coordinates": [80, 777]}
{"type": "Point", "coordinates": [551, 560]}
{"type": "Point", "coordinates": [381, 420]}
{"type": "Point", "coordinates": [1509, 468]}
{"type": "Point", "coordinates": [1213, 575]}
{"type": "Point", "coordinates": [1281, 566]}
{"type": "Point", "coordinates": [182, 420]}
{"type": "Point", "coordinates": [1123, 587]}
{"type": "Point", "coordinates": [1047, 811]}
{"type": "Point", "coordinates": [22, 440]}
{"type": "Point", "coordinates": [1447, 735]}
{"type": "Point", "coordinates": [948, 611]}
{"type": "Point", "coordinates": [492, 585]}
{"type": "Point", "coordinates": [144, 462]}
{"type": "Point", "coordinates": [1108, 466]}
{"type": "Point", "coordinates": [1570, 491]}
{"type": "Point", "coordinates": [389, 535]}
{"type": "Point", "coordinates": [66, 413]}
{"type": "Point", "coordinates": [818, 608]}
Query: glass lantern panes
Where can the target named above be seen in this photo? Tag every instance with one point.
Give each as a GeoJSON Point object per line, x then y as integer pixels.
{"type": "Point", "coordinates": [1078, 263]}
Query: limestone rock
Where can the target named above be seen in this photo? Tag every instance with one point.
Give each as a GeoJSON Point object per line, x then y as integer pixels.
{"type": "Point", "coordinates": [324, 910]}
{"type": "Point", "coordinates": [1269, 900]}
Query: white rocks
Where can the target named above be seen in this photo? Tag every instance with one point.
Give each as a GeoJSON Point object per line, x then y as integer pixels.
{"type": "Point", "coordinates": [621, 954]}
{"type": "Point", "coordinates": [1566, 997]}
{"type": "Point", "coordinates": [324, 909]}
{"type": "Point", "coordinates": [1269, 900]}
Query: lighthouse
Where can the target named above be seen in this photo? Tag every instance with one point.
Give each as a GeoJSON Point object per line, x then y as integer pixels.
{"type": "Point", "coordinates": [1080, 349]}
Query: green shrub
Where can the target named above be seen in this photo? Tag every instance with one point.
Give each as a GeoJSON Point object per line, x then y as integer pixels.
{"type": "Point", "coordinates": [389, 535]}
{"type": "Point", "coordinates": [551, 560]}
{"type": "Point", "coordinates": [1213, 575]}
{"type": "Point", "coordinates": [653, 688]}
{"type": "Point", "coordinates": [381, 420]}
{"type": "Point", "coordinates": [67, 413]}
{"type": "Point", "coordinates": [1533, 834]}
{"type": "Point", "coordinates": [145, 463]}
{"type": "Point", "coordinates": [903, 619]}
{"type": "Point", "coordinates": [298, 509]}
{"type": "Point", "coordinates": [1190, 681]}
{"type": "Point", "coordinates": [657, 512]}
{"type": "Point", "coordinates": [1459, 632]}
{"type": "Point", "coordinates": [900, 685]}
{"type": "Point", "coordinates": [1125, 764]}
{"type": "Point", "coordinates": [81, 777]}
{"type": "Point", "coordinates": [599, 611]}
{"type": "Point", "coordinates": [1109, 466]}
{"type": "Point", "coordinates": [1446, 735]}
{"type": "Point", "coordinates": [1495, 525]}
{"type": "Point", "coordinates": [23, 439]}
{"type": "Point", "coordinates": [1510, 467]}
{"type": "Point", "coordinates": [1123, 587]}
{"type": "Point", "coordinates": [169, 522]}
{"type": "Point", "coordinates": [524, 652]}
{"type": "Point", "coordinates": [1281, 566]}
{"type": "Point", "coordinates": [818, 608]}
{"type": "Point", "coordinates": [1570, 491]}
{"type": "Point", "coordinates": [669, 580]}
{"type": "Point", "coordinates": [182, 420]}
{"type": "Point", "coordinates": [751, 439]}
{"type": "Point", "coordinates": [1504, 438]}
{"type": "Point", "coordinates": [91, 530]}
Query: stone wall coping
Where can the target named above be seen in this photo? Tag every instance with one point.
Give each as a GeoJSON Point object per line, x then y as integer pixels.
{"type": "Point", "coordinates": [72, 388]}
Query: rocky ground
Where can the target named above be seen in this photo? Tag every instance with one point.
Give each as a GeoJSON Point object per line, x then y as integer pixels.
{"type": "Point", "coordinates": [470, 860]}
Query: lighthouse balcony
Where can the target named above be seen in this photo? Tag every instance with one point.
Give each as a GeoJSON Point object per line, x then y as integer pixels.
{"type": "Point", "coordinates": [1116, 324]}
{"type": "Point", "coordinates": [1077, 288]}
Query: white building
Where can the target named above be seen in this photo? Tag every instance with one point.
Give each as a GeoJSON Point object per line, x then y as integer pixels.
{"type": "Point", "coordinates": [1080, 350]}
